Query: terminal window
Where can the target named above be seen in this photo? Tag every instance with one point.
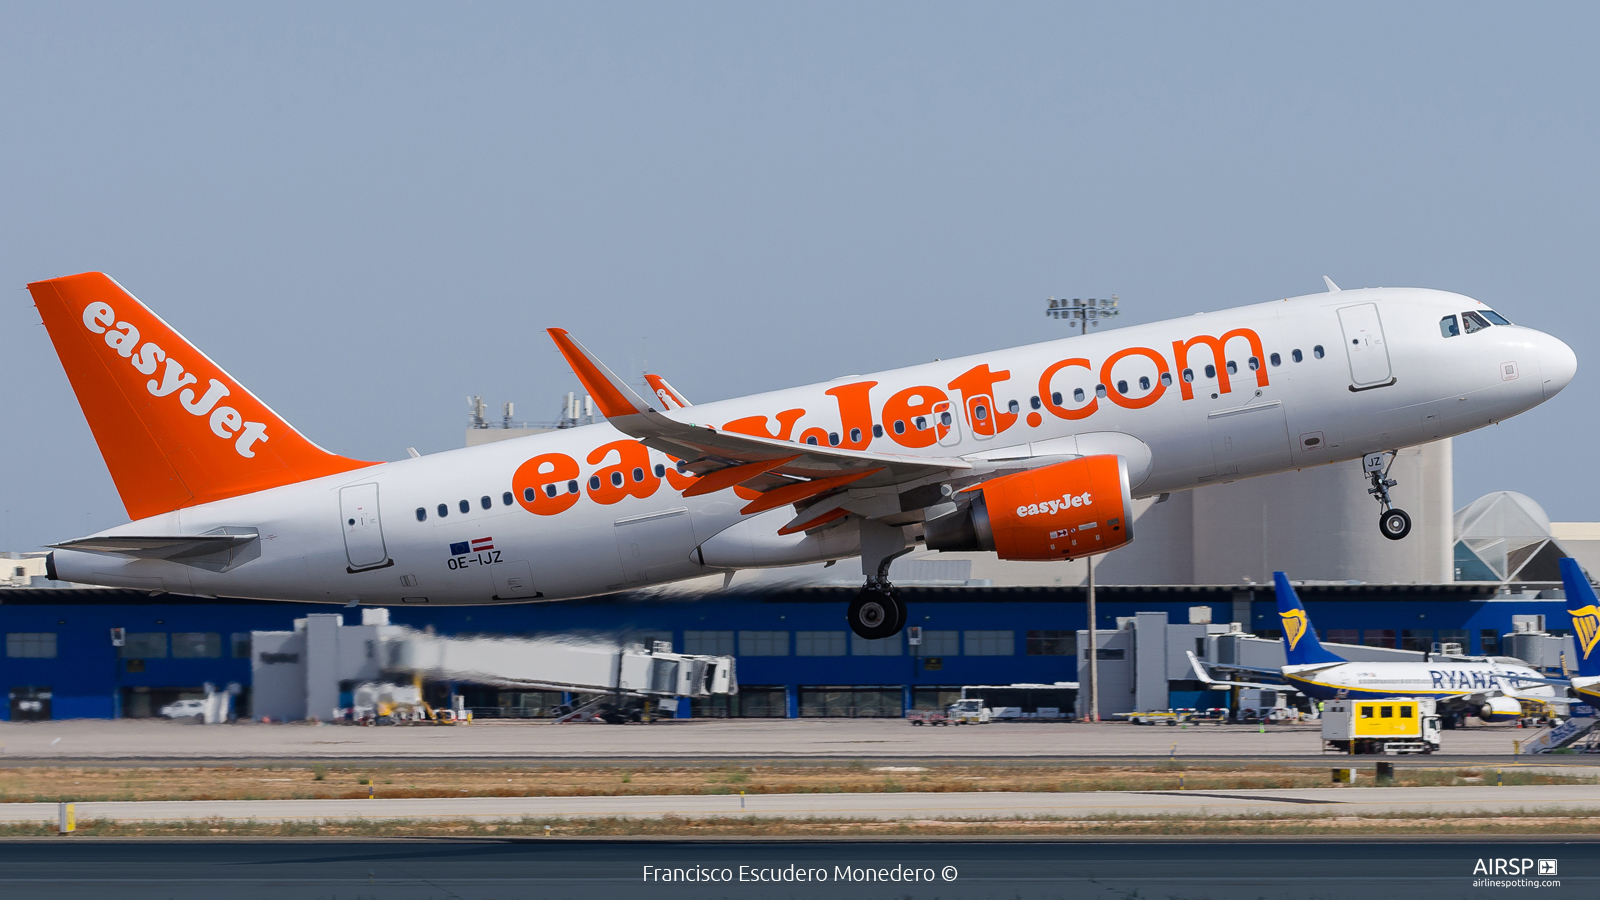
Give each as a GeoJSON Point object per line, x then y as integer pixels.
{"type": "Point", "coordinates": [939, 643]}
{"type": "Point", "coordinates": [860, 646]}
{"type": "Point", "coordinates": [819, 643]}
{"type": "Point", "coordinates": [196, 645]}
{"type": "Point", "coordinates": [1053, 643]}
{"type": "Point", "coordinates": [144, 645]}
{"type": "Point", "coordinates": [240, 641]}
{"type": "Point", "coordinates": [708, 643]}
{"type": "Point", "coordinates": [763, 643]}
{"type": "Point", "coordinates": [1378, 637]}
{"type": "Point", "coordinates": [31, 644]}
{"type": "Point", "coordinates": [1344, 635]}
{"type": "Point", "coordinates": [1488, 641]}
{"type": "Point", "coordinates": [1418, 639]}
{"type": "Point", "coordinates": [991, 643]}
{"type": "Point", "coordinates": [851, 702]}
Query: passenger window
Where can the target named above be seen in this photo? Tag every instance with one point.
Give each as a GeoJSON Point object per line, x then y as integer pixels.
{"type": "Point", "coordinates": [1211, 371]}
{"type": "Point", "coordinates": [1366, 712]}
{"type": "Point", "coordinates": [660, 470]}
{"type": "Point", "coordinates": [485, 502]}
{"type": "Point", "coordinates": [1473, 322]}
{"type": "Point", "coordinates": [1013, 407]}
{"type": "Point", "coordinates": [1405, 712]}
{"type": "Point", "coordinates": [899, 426]}
{"type": "Point", "coordinates": [1188, 376]}
{"type": "Point", "coordinates": [1055, 397]}
{"type": "Point", "coordinates": [833, 439]}
{"type": "Point", "coordinates": [527, 494]}
{"type": "Point", "coordinates": [1122, 387]}
{"type": "Point", "coordinates": [921, 423]}
{"type": "Point", "coordinates": [855, 435]}
{"type": "Point", "coordinates": [1166, 378]}
{"type": "Point", "coordinates": [1317, 351]}
{"type": "Point", "coordinates": [1100, 390]}
{"type": "Point", "coordinates": [1388, 712]}
{"type": "Point", "coordinates": [1035, 402]}
{"type": "Point", "coordinates": [443, 510]}
{"type": "Point", "coordinates": [812, 440]}
{"type": "Point", "coordinates": [1495, 317]}
{"type": "Point", "coordinates": [549, 490]}
{"type": "Point", "coordinates": [572, 487]}
{"type": "Point", "coordinates": [1297, 356]}
{"type": "Point", "coordinates": [465, 506]}
{"type": "Point", "coordinates": [1077, 396]}
{"type": "Point", "coordinates": [1233, 367]}
{"type": "Point", "coordinates": [507, 499]}
{"type": "Point", "coordinates": [1254, 363]}
{"type": "Point", "coordinates": [638, 475]}
{"type": "Point", "coordinates": [944, 418]}
{"type": "Point", "coordinates": [877, 431]}
{"type": "Point", "coordinates": [1275, 359]}
{"type": "Point", "coordinates": [1448, 326]}
{"type": "Point", "coordinates": [1144, 382]}
{"type": "Point", "coordinates": [616, 479]}
{"type": "Point", "coordinates": [422, 514]}
{"type": "Point", "coordinates": [594, 482]}
{"type": "Point", "coordinates": [981, 411]}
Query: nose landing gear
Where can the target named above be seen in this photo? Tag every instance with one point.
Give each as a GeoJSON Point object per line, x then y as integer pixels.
{"type": "Point", "coordinates": [1393, 523]}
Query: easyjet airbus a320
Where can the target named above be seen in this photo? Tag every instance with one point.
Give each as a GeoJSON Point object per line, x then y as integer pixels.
{"type": "Point", "coordinates": [1035, 453]}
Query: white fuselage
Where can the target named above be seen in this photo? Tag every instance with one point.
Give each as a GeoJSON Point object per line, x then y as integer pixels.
{"type": "Point", "coordinates": [1441, 680]}
{"type": "Point", "coordinates": [1373, 373]}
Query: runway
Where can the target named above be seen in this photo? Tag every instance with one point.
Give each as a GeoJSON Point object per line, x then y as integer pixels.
{"type": "Point", "coordinates": [1346, 801]}
{"type": "Point", "coordinates": [126, 740]}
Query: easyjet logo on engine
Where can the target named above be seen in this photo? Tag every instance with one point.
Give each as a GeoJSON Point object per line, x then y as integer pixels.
{"type": "Point", "coordinates": [226, 422]}
{"type": "Point", "coordinates": [1051, 507]}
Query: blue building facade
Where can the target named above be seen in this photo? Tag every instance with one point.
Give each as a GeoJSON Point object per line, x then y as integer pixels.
{"type": "Point", "coordinates": [795, 655]}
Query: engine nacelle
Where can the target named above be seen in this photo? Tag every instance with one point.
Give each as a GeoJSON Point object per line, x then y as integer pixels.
{"type": "Point", "coordinates": [1067, 510]}
{"type": "Point", "coordinates": [1500, 709]}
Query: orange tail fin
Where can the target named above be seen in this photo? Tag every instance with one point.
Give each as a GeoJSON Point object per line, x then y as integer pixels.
{"type": "Point", "coordinates": [174, 428]}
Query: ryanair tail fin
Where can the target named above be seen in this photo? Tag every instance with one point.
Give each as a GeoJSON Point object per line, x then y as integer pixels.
{"type": "Point", "coordinates": [1585, 612]}
{"type": "Point", "coordinates": [1300, 644]}
{"type": "Point", "coordinates": [174, 428]}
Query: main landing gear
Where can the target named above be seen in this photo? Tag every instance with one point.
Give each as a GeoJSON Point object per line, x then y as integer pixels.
{"type": "Point", "coordinates": [1393, 524]}
{"type": "Point", "coordinates": [878, 612]}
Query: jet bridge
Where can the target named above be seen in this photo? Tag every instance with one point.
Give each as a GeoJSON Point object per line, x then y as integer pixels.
{"type": "Point", "coordinates": [301, 674]}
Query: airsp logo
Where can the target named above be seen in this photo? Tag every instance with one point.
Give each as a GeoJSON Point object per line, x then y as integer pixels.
{"type": "Point", "coordinates": [1512, 866]}
{"type": "Point", "coordinates": [1294, 626]}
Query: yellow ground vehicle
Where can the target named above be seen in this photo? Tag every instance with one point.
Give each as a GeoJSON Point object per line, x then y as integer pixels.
{"type": "Point", "coordinates": [1393, 725]}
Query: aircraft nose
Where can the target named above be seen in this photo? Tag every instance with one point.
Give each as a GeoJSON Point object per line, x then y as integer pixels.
{"type": "Point", "coordinates": [1557, 364]}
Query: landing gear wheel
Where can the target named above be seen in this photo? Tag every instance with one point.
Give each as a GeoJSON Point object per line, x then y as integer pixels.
{"type": "Point", "coordinates": [876, 614]}
{"type": "Point", "coordinates": [1395, 524]}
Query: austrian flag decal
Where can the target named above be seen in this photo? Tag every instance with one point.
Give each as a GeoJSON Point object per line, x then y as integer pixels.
{"type": "Point", "coordinates": [476, 545]}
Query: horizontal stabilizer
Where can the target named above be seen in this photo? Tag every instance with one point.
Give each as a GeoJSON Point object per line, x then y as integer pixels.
{"type": "Point", "coordinates": [158, 546]}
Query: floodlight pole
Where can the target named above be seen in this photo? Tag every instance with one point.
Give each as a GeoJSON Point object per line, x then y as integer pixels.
{"type": "Point", "coordinates": [1083, 312]}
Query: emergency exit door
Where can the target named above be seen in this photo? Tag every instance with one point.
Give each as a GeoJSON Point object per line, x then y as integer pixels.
{"type": "Point", "coordinates": [363, 532]}
{"type": "Point", "coordinates": [1364, 345]}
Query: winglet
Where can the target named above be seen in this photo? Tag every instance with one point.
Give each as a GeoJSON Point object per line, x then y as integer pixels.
{"type": "Point", "coordinates": [666, 393]}
{"type": "Point", "coordinates": [611, 393]}
{"type": "Point", "coordinates": [1332, 288]}
{"type": "Point", "coordinates": [1585, 612]}
{"type": "Point", "coordinates": [1300, 644]}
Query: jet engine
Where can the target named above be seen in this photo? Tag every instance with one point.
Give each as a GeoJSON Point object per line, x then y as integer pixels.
{"type": "Point", "coordinates": [1500, 709]}
{"type": "Point", "coordinates": [1066, 510]}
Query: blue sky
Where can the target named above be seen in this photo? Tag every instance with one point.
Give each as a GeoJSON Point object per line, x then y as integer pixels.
{"type": "Point", "coordinates": [366, 212]}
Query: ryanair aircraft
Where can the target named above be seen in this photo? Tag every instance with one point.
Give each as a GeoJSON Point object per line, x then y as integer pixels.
{"type": "Point", "coordinates": [1585, 630]}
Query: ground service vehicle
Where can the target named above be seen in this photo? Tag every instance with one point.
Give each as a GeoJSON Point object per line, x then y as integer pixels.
{"type": "Point", "coordinates": [1394, 725]}
{"type": "Point", "coordinates": [970, 711]}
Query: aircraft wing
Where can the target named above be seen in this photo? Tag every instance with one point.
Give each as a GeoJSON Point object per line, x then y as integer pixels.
{"type": "Point", "coordinates": [783, 472]}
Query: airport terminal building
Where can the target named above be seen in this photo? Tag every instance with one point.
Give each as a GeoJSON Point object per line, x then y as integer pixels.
{"type": "Point", "coordinates": [1469, 577]}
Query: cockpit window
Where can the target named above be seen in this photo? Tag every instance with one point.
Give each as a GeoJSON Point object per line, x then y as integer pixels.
{"type": "Point", "coordinates": [1495, 317]}
{"type": "Point", "coordinates": [1473, 322]}
{"type": "Point", "coordinates": [1448, 326]}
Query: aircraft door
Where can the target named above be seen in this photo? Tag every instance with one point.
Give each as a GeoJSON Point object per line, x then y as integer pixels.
{"type": "Point", "coordinates": [980, 415]}
{"type": "Point", "coordinates": [1364, 344]}
{"type": "Point", "coordinates": [947, 423]}
{"type": "Point", "coordinates": [363, 533]}
{"type": "Point", "coordinates": [1248, 440]}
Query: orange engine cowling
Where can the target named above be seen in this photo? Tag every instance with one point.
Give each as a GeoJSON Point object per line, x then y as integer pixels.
{"type": "Point", "coordinates": [1066, 510]}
